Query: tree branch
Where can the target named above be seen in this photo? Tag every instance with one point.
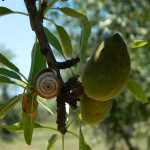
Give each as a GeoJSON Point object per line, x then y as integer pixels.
{"type": "Point", "coordinates": [37, 26]}
{"type": "Point", "coordinates": [61, 110]}
{"type": "Point", "coordinates": [73, 84]}
{"type": "Point", "coordinates": [68, 63]}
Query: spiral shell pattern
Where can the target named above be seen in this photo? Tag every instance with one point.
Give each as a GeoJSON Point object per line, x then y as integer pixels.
{"type": "Point", "coordinates": [46, 83]}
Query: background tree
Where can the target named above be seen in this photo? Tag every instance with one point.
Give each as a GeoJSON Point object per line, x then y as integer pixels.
{"type": "Point", "coordinates": [130, 19]}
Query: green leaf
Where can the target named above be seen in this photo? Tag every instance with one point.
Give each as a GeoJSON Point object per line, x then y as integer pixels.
{"type": "Point", "coordinates": [65, 40]}
{"type": "Point", "coordinates": [70, 12]}
{"type": "Point", "coordinates": [13, 128]}
{"type": "Point", "coordinates": [43, 102]}
{"type": "Point", "coordinates": [17, 127]}
{"type": "Point", "coordinates": [6, 80]}
{"type": "Point", "coordinates": [5, 11]}
{"type": "Point", "coordinates": [138, 43]}
{"type": "Point", "coordinates": [28, 125]}
{"type": "Point", "coordinates": [7, 63]}
{"type": "Point", "coordinates": [49, 6]}
{"type": "Point", "coordinates": [21, 83]}
{"type": "Point", "coordinates": [29, 107]}
{"type": "Point", "coordinates": [82, 143]}
{"type": "Point", "coordinates": [53, 41]}
{"type": "Point", "coordinates": [7, 106]}
{"type": "Point", "coordinates": [9, 73]}
{"type": "Point", "coordinates": [52, 141]}
{"type": "Point", "coordinates": [85, 33]}
{"type": "Point", "coordinates": [88, 147]}
{"type": "Point", "coordinates": [38, 62]}
{"type": "Point", "coordinates": [137, 91]}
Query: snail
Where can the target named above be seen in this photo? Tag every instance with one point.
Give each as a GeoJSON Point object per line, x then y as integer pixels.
{"type": "Point", "coordinates": [46, 83]}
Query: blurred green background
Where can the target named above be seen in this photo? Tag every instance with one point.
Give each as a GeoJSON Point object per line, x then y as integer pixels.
{"type": "Point", "coordinates": [127, 127]}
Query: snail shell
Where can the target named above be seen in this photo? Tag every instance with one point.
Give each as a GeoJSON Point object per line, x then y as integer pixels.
{"type": "Point", "coordinates": [46, 83]}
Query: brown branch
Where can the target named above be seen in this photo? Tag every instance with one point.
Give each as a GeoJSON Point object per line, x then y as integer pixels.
{"type": "Point", "coordinates": [37, 26]}
{"type": "Point", "coordinates": [61, 110]}
{"type": "Point", "coordinates": [68, 63]}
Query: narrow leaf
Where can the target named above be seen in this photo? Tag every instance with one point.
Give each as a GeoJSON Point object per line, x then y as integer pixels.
{"type": "Point", "coordinates": [17, 127]}
{"type": "Point", "coordinates": [9, 73]}
{"type": "Point", "coordinates": [52, 141]}
{"type": "Point", "coordinates": [85, 33]}
{"type": "Point", "coordinates": [138, 43]}
{"type": "Point", "coordinates": [81, 141]}
{"type": "Point", "coordinates": [38, 62]}
{"type": "Point", "coordinates": [28, 125]}
{"type": "Point", "coordinates": [53, 41]}
{"type": "Point", "coordinates": [13, 128]}
{"type": "Point", "coordinates": [29, 107]}
{"type": "Point", "coordinates": [44, 103]}
{"type": "Point", "coordinates": [29, 102]}
{"type": "Point", "coordinates": [137, 91]}
{"type": "Point", "coordinates": [7, 106]}
{"type": "Point", "coordinates": [88, 147]}
{"type": "Point", "coordinates": [82, 144]}
{"type": "Point", "coordinates": [70, 12]}
{"type": "Point", "coordinates": [52, 2]}
{"type": "Point", "coordinates": [21, 83]}
{"type": "Point", "coordinates": [7, 63]}
{"type": "Point", "coordinates": [65, 40]}
{"type": "Point", "coordinates": [5, 11]}
{"type": "Point", "coordinates": [6, 80]}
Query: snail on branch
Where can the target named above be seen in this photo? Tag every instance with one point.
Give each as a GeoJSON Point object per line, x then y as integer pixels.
{"type": "Point", "coordinates": [46, 83]}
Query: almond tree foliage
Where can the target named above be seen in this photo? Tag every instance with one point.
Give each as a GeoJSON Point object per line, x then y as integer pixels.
{"type": "Point", "coordinates": [131, 19]}
{"type": "Point", "coordinates": [43, 56]}
{"type": "Point", "coordinates": [4, 95]}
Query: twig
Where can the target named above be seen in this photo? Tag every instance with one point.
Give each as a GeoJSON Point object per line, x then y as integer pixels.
{"type": "Point", "coordinates": [37, 26]}
{"type": "Point", "coordinates": [67, 63]}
